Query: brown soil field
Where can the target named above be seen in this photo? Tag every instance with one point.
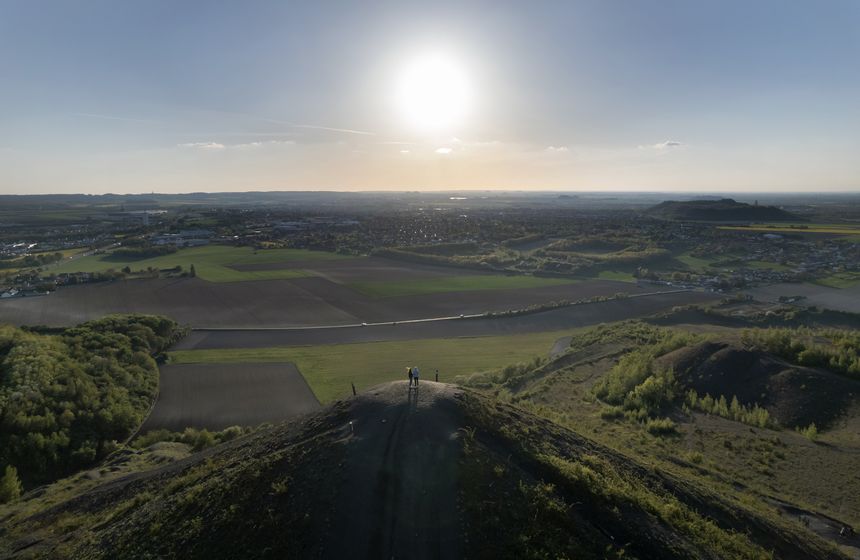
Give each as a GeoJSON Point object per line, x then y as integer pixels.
{"type": "Point", "coordinates": [365, 269]}
{"type": "Point", "coordinates": [556, 319]}
{"type": "Point", "coordinates": [309, 301]}
{"type": "Point", "coordinates": [187, 300]}
{"type": "Point", "coordinates": [402, 308]}
{"type": "Point", "coordinates": [216, 396]}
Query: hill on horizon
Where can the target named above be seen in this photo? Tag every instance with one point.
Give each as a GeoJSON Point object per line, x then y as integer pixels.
{"type": "Point", "coordinates": [723, 210]}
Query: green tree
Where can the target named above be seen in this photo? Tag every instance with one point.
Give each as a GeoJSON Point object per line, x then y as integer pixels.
{"type": "Point", "coordinates": [10, 486]}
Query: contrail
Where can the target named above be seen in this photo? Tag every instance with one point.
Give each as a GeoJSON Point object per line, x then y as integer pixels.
{"type": "Point", "coordinates": [346, 130]}
{"type": "Point", "coordinates": [111, 117]}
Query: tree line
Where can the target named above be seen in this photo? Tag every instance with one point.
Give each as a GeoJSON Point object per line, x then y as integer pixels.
{"type": "Point", "coordinates": [67, 395]}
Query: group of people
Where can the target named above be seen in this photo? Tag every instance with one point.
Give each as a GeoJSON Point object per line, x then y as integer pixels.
{"type": "Point", "coordinates": [413, 374]}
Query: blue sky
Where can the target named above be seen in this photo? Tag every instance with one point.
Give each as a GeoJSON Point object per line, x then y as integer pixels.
{"type": "Point", "coordinates": [581, 95]}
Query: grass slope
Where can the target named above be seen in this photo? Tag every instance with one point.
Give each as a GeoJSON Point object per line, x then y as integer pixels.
{"type": "Point", "coordinates": [211, 262]}
{"type": "Point", "coordinates": [329, 369]}
{"type": "Point", "coordinates": [511, 485]}
{"type": "Point", "coordinates": [731, 457]}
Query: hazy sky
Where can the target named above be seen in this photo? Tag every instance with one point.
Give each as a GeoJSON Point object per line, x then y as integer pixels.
{"type": "Point", "coordinates": [178, 96]}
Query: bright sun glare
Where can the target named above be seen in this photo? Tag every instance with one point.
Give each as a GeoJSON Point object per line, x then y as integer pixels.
{"type": "Point", "coordinates": [433, 93]}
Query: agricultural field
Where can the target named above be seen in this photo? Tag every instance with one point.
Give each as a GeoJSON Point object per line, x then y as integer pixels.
{"type": "Point", "coordinates": [549, 320]}
{"type": "Point", "coordinates": [213, 263]}
{"type": "Point", "coordinates": [331, 368]}
{"type": "Point", "coordinates": [310, 288]}
{"type": "Point", "coordinates": [462, 283]}
{"type": "Point", "coordinates": [833, 229]}
{"type": "Point", "coordinates": [217, 396]}
{"type": "Point", "coordinates": [840, 280]}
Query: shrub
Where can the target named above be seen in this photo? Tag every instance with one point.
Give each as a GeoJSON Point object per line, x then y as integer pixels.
{"type": "Point", "coordinates": [10, 486]}
{"type": "Point", "coordinates": [612, 412]}
{"type": "Point", "coordinates": [660, 426]}
{"type": "Point", "coordinates": [810, 432]}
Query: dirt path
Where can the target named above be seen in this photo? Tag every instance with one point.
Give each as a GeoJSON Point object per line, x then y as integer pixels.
{"type": "Point", "coordinates": [560, 347]}
{"type": "Point", "coordinates": [400, 476]}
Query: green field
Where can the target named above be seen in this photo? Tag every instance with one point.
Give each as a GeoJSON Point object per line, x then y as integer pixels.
{"type": "Point", "coordinates": [455, 284]}
{"type": "Point", "coordinates": [211, 262]}
{"type": "Point", "coordinates": [330, 368]}
{"type": "Point", "coordinates": [840, 280]}
{"type": "Point", "coordinates": [798, 228]}
{"type": "Point", "coordinates": [617, 275]}
{"type": "Point", "coordinates": [697, 264]}
{"type": "Point", "coordinates": [766, 265]}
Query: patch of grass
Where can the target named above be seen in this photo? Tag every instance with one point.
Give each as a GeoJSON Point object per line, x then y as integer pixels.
{"type": "Point", "coordinates": [797, 228]}
{"type": "Point", "coordinates": [766, 265]}
{"type": "Point", "coordinates": [697, 264]}
{"type": "Point", "coordinates": [840, 280]}
{"type": "Point", "coordinates": [211, 262]}
{"type": "Point", "coordinates": [329, 369]}
{"type": "Point", "coordinates": [455, 284]}
{"type": "Point", "coordinates": [617, 275]}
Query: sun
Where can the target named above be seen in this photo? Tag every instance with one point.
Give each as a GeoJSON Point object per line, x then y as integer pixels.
{"type": "Point", "coordinates": [433, 92]}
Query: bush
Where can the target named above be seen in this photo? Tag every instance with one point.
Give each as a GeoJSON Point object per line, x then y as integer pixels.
{"type": "Point", "coordinates": [752, 415]}
{"type": "Point", "coordinates": [197, 439]}
{"type": "Point", "coordinates": [612, 413]}
{"type": "Point", "coordinates": [10, 486]}
{"type": "Point", "coordinates": [660, 426]}
{"type": "Point", "coordinates": [810, 432]}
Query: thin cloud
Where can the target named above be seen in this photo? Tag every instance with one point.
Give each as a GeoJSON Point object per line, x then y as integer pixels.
{"type": "Point", "coordinates": [444, 151]}
{"type": "Point", "coordinates": [260, 144]}
{"type": "Point", "coordinates": [666, 145]}
{"type": "Point", "coordinates": [212, 146]}
{"type": "Point", "coordinates": [557, 149]}
{"type": "Point", "coordinates": [208, 146]}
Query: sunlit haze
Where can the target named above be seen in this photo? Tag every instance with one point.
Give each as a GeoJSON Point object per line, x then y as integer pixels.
{"type": "Point", "coordinates": [588, 95]}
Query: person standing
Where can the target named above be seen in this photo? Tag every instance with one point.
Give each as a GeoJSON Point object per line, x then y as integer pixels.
{"type": "Point", "coordinates": [409, 374]}
{"type": "Point", "coordinates": [415, 375]}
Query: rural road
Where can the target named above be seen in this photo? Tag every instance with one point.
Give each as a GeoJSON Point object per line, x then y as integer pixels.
{"type": "Point", "coordinates": [400, 482]}
{"type": "Point", "coordinates": [424, 319]}
{"type": "Point", "coordinates": [555, 319]}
